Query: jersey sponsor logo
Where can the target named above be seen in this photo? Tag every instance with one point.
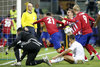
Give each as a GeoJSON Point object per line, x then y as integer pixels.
{"type": "Point", "coordinates": [33, 18]}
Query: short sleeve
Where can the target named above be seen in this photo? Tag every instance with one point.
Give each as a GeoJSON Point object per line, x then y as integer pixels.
{"type": "Point", "coordinates": [72, 47]}
{"type": "Point", "coordinates": [99, 12]}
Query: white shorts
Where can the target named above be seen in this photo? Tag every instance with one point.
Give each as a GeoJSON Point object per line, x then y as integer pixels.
{"type": "Point", "coordinates": [78, 60]}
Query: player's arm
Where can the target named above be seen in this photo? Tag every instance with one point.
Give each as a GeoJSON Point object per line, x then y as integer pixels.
{"type": "Point", "coordinates": [2, 22]}
{"type": "Point", "coordinates": [79, 27]}
{"type": "Point", "coordinates": [23, 55]}
{"type": "Point", "coordinates": [12, 25]}
{"type": "Point", "coordinates": [41, 20]}
{"type": "Point", "coordinates": [65, 24]}
{"type": "Point", "coordinates": [92, 19]}
{"type": "Point", "coordinates": [70, 20]}
{"type": "Point", "coordinates": [97, 20]}
{"type": "Point", "coordinates": [15, 41]}
{"type": "Point", "coordinates": [59, 22]}
{"type": "Point", "coordinates": [62, 54]}
{"type": "Point", "coordinates": [23, 20]}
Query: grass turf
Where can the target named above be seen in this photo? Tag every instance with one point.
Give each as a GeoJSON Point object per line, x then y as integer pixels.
{"type": "Point", "coordinates": [93, 63]}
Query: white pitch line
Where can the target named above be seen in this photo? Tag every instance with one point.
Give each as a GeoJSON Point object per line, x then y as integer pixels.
{"type": "Point", "coordinates": [25, 58]}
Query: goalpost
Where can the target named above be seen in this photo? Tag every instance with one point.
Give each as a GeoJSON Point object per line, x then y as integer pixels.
{"type": "Point", "coordinates": [5, 8]}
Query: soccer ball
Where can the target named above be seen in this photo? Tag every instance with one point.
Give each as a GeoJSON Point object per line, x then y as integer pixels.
{"type": "Point", "coordinates": [67, 30]}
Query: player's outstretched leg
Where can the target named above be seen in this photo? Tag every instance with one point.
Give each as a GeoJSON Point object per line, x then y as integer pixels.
{"type": "Point", "coordinates": [90, 51]}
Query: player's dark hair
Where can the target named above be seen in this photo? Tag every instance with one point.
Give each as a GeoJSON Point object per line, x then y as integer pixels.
{"type": "Point", "coordinates": [20, 29]}
{"type": "Point", "coordinates": [13, 6]}
{"type": "Point", "coordinates": [72, 37]}
{"type": "Point", "coordinates": [71, 10]}
{"type": "Point", "coordinates": [48, 14]}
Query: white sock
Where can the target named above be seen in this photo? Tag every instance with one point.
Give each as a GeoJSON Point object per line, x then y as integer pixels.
{"type": "Point", "coordinates": [92, 54]}
{"type": "Point", "coordinates": [97, 53]}
{"type": "Point", "coordinates": [57, 60]}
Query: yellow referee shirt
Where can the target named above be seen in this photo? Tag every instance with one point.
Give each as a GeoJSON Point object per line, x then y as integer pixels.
{"type": "Point", "coordinates": [28, 19]}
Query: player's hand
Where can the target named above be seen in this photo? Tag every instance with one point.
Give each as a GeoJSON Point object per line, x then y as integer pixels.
{"type": "Point", "coordinates": [6, 51]}
{"type": "Point", "coordinates": [61, 17]}
{"type": "Point", "coordinates": [54, 57]}
{"type": "Point", "coordinates": [36, 30]}
{"type": "Point", "coordinates": [94, 25]}
{"type": "Point", "coordinates": [26, 29]}
{"type": "Point", "coordinates": [32, 23]}
{"type": "Point", "coordinates": [69, 33]}
{"type": "Point", "coordinates": [9, 48]}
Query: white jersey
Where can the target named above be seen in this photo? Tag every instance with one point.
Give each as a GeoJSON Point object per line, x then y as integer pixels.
{"type": "Point", "coordinates": [77, 50]}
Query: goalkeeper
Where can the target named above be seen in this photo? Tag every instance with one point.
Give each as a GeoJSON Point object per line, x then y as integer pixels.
{"type": "Point", "coordinates": [30, 45]}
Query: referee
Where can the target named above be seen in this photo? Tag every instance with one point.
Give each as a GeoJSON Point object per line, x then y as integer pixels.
{"type": "Point", "coordinates": [30, 45]}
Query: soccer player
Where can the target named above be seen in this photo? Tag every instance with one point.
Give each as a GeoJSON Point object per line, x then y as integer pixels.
{"type": "Point", "coordinates": [30, 45]}
{"type": "Point", "coordinates": [45, 36]}
{"type": "Point", "coordinates": [52, 29]}
{"type": "Point", "coordinates": [75, 27]}
{"type": "Point", "coordinates": [85, 28]}
{"type": "Point", "coordinates": [6, 23]}
{"type": "Point", "coordinates": [77, 50]}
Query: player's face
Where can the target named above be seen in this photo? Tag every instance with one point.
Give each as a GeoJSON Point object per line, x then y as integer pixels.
{"type": "Point", "coordinates": [44, 15]}
{"type": "Point", "coordinates": [69, 14]}
{"type": "Point", "coordinates": [30, 7]}
{"type": "Point", "coordinates": [74, 11]}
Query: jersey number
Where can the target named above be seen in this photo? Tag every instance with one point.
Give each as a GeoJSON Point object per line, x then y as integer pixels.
{"type": "Point", "coordinates": [85, 18]}
{"type": "Point", "coordinates": [50, 21]}
{"type": "Point", "coordinates": [7, 23]}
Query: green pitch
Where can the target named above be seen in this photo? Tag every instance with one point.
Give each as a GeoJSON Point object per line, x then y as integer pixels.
{"type": "Point", "coordinates": [51, 53]}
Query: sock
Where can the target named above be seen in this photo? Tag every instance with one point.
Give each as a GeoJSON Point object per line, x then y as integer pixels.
{"type": "Point", "coordinates": [92, 54]}
{"type": "Point", "coordinates": [70, 54]}
{"type": "Point", "coordinates": [98, 56]}
{"type": "Point", "coordinates": [92, 48]}
{"type": "Point", "coordinates": [4, 43]}
{"type": "Point", "coordinates": [88, 49]}
{"type": "Point", "coordinates": [61, 51]}
{"type": "Point", "coordinates": [85, 58]}
{"type": "Point", "coordinates": [1, 41]}
{"type": "Point", "coordinates": [96, 53]}
{"type": "Point", "coordinates": [57, 60]}
{"type": "Point", "coordinates": [45, 45]}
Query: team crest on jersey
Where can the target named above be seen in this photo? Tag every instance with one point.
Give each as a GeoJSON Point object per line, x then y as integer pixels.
{"type": "Point", "coordinates": [76, 20]}
{"type": "Point", "coordinates": [33, 18]}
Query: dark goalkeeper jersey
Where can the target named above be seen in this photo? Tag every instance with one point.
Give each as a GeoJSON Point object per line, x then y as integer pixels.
{"type": "Point", "coordinates": [24, 37]}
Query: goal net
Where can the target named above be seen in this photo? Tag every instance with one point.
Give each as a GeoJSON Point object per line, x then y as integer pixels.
{"type": "Point", "coordinates": [8, 27]}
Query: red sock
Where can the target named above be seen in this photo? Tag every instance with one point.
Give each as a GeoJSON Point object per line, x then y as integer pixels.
{"type": "Point", "coordinates": [4, 43]}
{"type": "Point", "coordinates": [88, 48]}
{"type": "Point", "coordinates": [61, 51]}
{"type": "Point", "coordinates": [85, 58]}
{"type": "Point", "coordinates": [45, 45]}
{"type": "Point", "coordinates": [92, 49]}
{"type": "Point", "coordinates": [70, 54]}
{"type": "Point", "coordinates": [1, 41]}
